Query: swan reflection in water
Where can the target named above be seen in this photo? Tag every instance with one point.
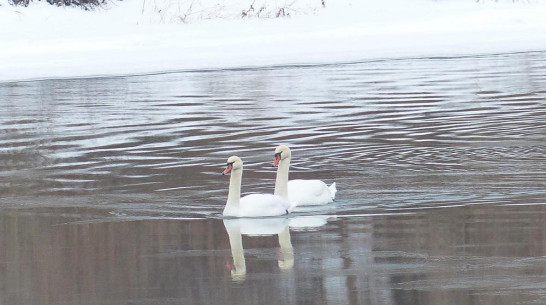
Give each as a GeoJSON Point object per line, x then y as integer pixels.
{"type": "Point", "coordinates": [237, 227]}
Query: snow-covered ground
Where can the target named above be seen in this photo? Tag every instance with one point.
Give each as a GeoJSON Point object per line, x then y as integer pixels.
{"type": "Point", "coordinates": [146, 36]}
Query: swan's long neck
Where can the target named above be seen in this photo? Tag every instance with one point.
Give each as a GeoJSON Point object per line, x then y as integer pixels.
{"type": "Point", "coordinates": [234, 193]}
{"type": "Point", "coordinates": [281, 183]}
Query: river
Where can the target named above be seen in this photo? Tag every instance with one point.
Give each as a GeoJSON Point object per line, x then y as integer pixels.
{"type": "Point", "coordinates": [112, 193]}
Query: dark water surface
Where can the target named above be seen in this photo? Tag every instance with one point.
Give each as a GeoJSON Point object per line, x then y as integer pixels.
{"type": "Point", "coordinates": [111, 189]}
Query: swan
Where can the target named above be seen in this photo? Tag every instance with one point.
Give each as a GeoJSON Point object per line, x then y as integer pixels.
{"type": "Point", "coordinates": [253, 205]}
{"type": "Point", "coordinates": [299, 192]}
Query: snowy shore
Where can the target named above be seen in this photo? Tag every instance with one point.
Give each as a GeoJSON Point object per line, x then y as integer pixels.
{"type": "Point", "coordinates": [131, 37]}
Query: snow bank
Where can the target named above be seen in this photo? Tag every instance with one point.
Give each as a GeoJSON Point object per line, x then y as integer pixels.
{"type": "Point", "coordinates": [147, 36]}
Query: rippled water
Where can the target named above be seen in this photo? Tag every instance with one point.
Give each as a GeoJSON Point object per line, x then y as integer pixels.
{"type": "Point", "coordinates": [120, 179]}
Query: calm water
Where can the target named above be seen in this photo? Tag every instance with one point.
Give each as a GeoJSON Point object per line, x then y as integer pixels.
{"type": "Point", "coordinates": [111, 191]}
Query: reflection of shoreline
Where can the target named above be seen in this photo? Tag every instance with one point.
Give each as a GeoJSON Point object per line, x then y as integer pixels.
{"type": "Point", "coordinates": [434, 256]}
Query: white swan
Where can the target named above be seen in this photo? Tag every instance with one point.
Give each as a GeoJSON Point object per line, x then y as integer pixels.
{"type": "Point", "coordinates": [299, 192]}
{"type": "Point", "coordinates": [253, 205]}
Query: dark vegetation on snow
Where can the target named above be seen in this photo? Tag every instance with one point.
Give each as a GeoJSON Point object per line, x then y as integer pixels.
{"type": "Point", "coordinates": [84, 4]}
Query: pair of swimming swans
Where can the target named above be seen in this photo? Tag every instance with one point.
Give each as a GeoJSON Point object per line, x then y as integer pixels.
{"type": "Point", "coordinates": [287, 195]}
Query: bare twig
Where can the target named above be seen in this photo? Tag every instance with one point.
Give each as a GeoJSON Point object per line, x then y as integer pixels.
{"type": "Point", "coordinates": [250, 9]}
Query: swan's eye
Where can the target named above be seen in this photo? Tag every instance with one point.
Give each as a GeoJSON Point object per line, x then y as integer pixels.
{"type": "Point", "coordinates": [277, 155]}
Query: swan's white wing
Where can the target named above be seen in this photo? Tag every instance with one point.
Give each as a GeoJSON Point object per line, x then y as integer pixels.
{"type": "Point", "coordinates": [257, 205]}
{"type": "Point", "coordinates": [309, 192]}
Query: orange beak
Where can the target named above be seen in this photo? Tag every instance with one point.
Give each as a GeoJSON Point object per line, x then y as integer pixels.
{"type": "Point", "coordinates": [277, 160]}
{"type": "Point", "coordinates": [228, 169]}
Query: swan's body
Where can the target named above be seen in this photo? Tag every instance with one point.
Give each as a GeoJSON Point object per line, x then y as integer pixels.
{"type": "Point", "coordinates": [253, 205]}
{"type": "Point", "coordinates": [299, 192]}
{"type": "Point", "coordinates": [258, 205]}
{"type": "Point", "coordinates": [310, 192]}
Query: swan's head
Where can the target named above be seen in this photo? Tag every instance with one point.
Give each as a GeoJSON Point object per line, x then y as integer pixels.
{"type": "Point", "coordinates": [281, 152]}
{"type": "Point", "coordinates": [233, 163]}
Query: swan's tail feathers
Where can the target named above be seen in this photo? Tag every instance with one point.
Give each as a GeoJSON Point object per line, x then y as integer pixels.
{"type": "Point", "coordinates": [333, 190]}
